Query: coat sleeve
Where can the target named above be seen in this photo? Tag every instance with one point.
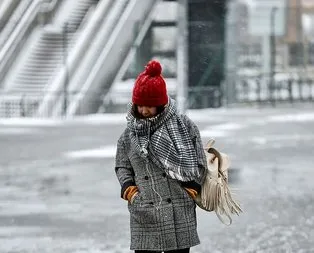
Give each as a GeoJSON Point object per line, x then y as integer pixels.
{"type": "Point", "coordinates": [123, 168]}
{"type": "Point", "coordinates": [198, 144]}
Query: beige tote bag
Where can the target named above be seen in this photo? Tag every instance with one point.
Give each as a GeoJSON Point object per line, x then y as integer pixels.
{"type": "Point", "coordinates": [215, 194]}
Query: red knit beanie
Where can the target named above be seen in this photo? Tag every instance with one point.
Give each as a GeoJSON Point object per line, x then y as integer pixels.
{"type": "Point", "coordinates": [150, 87]}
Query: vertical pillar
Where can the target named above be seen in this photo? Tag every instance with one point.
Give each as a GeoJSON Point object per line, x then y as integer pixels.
{"type": "Point", "coordinates": [206, 51]}
{"type": "Point", "coordinates": [182, 56]}
{"type": "Point", "coordinates": [231, 48]}
{"type": "Point", "coordinates": [266, 62]}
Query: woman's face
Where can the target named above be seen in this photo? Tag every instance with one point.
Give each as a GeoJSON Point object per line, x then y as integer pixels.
{"type": "Point", "coordinates": [147, 111]}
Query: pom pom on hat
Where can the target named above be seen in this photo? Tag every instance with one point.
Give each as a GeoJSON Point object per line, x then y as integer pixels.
{"type": "Point", "coordinates": [153, 68]}
{"type": "Point", "coordinates": [150, 87]}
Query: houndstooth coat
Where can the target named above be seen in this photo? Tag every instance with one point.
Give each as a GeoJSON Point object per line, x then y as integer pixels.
{"type": "Point", "coordinates": [162, 215]}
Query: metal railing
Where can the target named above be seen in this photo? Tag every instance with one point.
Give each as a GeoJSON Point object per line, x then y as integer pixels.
{"type": "Point", "coordinates": [204, 97]}
{"type": "Point", "coordinates": [23, 105]}
{"type": "Point", "coordinates": [257, 90]}
{"type": "Point", "coordinates": [10, 14]}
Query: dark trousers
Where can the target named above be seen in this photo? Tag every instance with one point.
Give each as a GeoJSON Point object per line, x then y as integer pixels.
{"type": "Point", "coordinates": [171, 251]}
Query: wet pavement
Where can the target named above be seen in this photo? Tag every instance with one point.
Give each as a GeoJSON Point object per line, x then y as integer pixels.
{"type": "Point", "coordinates": [50, 202]}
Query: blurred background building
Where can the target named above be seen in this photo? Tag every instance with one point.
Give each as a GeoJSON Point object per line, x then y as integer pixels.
{"type": "Point", "coordinates": [69, 57]}
{"type": "Point", "coordinates": [273, 51]}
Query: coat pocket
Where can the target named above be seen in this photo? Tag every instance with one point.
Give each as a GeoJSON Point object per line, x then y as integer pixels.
{"type": "Point", "coordinates": [143, 213]}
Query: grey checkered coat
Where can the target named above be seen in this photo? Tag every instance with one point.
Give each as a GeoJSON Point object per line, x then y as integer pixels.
{"type": "Point", "coordinates": [162, 215]}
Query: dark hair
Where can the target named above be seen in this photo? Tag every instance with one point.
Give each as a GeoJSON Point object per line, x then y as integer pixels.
{"type": "Point", "coordinates": [135, 112]}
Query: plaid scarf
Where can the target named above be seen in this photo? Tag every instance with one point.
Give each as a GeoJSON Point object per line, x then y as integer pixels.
{"type": "Point", "coordinates": [166, 140]}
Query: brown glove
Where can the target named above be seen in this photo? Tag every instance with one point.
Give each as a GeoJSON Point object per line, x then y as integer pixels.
{"type": "Point", "coordinates": [191, 192]}
{"type": "Point", "coordinates": [130, 192]}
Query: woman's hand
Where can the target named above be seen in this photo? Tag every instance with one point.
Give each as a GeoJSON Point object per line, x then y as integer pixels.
{"type": "Point", "coordinates": [191, 192]}
{"type": "Point", "coordinates": [130, 193]}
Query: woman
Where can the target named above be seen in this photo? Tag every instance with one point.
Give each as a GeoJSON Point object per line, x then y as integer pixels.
{"type": "Point", "coordinates": [160, 164]}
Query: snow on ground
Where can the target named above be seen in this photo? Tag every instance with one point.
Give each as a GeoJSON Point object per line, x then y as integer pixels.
{"type": "Point", "coordinates": [30, 122]}
{"type": "Point", "coordinates": [18, 131]}
{"type": "Point", "coordinates": [59, 193]}
{"type": "Point", "coordinates": [220, 130]}
{"type": "Point", "coordinates": [104, 152]}
{"type": "Point", "coordinates": [302, 117]}
{"type": "Point", "coordinates": [202, 115]}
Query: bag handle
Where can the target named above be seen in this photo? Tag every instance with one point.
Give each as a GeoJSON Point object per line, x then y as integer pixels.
{"type": "Point", "coordinates": [209, 149]}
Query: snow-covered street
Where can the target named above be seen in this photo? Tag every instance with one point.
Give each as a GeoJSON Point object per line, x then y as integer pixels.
{"type": "Point", "coordinates": [59, 192]}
